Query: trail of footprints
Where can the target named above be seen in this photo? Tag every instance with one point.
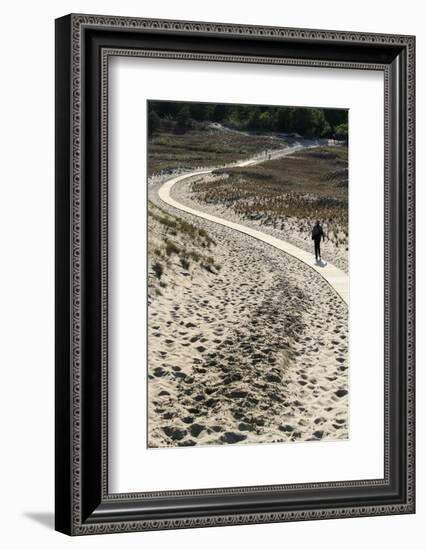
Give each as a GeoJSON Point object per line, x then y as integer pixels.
{"type": "Point", "coordinates": [254, 354]}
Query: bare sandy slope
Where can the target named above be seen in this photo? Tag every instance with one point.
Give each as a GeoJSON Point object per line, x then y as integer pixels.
{"type": "Point", "coordinates": [255, 351]}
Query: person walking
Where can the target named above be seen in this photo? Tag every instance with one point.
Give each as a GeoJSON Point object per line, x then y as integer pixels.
{"type": "Point", "coordinates": [317, 233]}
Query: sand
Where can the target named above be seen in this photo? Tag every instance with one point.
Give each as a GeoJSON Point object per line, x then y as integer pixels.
{"type": "Point", "coordinates": [254, 352]}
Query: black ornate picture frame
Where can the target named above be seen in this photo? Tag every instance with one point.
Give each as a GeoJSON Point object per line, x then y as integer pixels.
{"type": "Point", "coordinates": [84, 43]}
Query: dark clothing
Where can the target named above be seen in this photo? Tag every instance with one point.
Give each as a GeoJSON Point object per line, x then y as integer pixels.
{"type": "Point", "coordinates": [317, 234]}
{"type": "Point", "coordinates": [317, 242]}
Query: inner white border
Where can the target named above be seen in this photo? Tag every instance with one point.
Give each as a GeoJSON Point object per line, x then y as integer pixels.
{"type": "Point", "coordinates": [133, 467]}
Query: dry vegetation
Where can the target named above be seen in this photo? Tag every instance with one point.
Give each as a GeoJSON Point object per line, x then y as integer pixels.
{"type": "Point", "coordinates": [175, 245]}
{"type": "Point", "coordinates": [204, 147]}
{"type": "Point", "coordinates": [299, 189]}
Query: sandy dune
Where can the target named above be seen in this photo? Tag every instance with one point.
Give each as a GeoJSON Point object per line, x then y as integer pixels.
{"type": "Point", "coordinates": [254, 352]}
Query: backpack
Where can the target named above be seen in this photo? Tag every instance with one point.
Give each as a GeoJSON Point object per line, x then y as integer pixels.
{"type": "Point", "coordinates": [316, 231]}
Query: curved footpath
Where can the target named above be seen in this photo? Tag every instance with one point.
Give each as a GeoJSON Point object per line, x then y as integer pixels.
{"type": "Point", "coordinates": [334, 276]}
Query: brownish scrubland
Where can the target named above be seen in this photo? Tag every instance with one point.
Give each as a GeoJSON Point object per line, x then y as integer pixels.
{"type": "Point", "coordinates": [296, 189]}
{"type": "Point", "coordinates": [205, 146]}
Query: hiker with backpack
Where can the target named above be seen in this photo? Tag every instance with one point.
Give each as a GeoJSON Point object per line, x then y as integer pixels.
{"type": "Point", "coordinates": [317, 233]}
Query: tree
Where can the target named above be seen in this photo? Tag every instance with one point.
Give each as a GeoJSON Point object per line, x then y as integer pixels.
{"type": "Point", "coordinates": [341, 132]}
{"type": "Point", "coordinates": [283, 119]}
{"type": "Point", "coordinates": [233, 119]}
{"type": "Point", "coordinates": [302, 121]}
{"type": "Point", "coordinates": [254, 122]}
{"type": "Point", "coordinates": [201, 111]}
{"type": "Point", "coordinates": [154, 123]}
{"type": "Point", "coordinates": [183, 120]}
{"type": "Point", "coordinates": [321, 127]}
{"type": "Point", "coordinates": [335, 117]}
{"type": "Point", "coordinates": [265, 121]}
{"type": "Point", "coordinates": [219, 112]}
{"type": "Point", "coordinates": [164, 108]}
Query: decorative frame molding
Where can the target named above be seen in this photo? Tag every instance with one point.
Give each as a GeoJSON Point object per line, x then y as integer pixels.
{"type": "Point", "coordinates": [83, 504]}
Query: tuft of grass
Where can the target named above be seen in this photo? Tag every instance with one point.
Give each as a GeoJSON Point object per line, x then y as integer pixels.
{"type": "Point", "coordinates": [184, 263]}
{"type": "Point", "coordinates": [157, 252]}
{"type": "Point", "coordinates": [176, 225]}
{"type": "Point", "coordinates": [194, 255]}
{"type": "Point", "coordinates": [171, 248]}
{"type": "Point", "coordinates": [158, 269]}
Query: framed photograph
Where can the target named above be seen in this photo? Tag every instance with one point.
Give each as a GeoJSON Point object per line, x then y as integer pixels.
{"type": "Point", "coordinates": [234, 274]}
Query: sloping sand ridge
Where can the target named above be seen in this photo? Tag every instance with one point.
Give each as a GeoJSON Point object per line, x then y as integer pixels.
{"type": "Point", "coordinates": [246, 343]}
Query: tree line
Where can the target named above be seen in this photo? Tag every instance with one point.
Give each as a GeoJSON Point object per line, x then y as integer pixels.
{"type": "Point", "coordinates": [308, 122]}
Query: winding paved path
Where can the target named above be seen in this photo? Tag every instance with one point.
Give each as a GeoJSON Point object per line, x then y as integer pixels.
{"type": "Point", "coordinates": [334, 276]}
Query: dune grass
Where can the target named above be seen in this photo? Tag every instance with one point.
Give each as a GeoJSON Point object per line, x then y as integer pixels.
{"type": "Point", "coordinates": [175, 245]}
